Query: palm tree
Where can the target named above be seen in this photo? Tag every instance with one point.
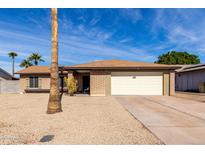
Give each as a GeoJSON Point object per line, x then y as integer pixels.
{"type": "Point", "coordinates": [12, 55]}
{"type": "Point", "coordinates": [25, 63]}
{"type": "Point", "coordinates": [54, 104]}
{"type": "Point", "coordinates": [36, 58]}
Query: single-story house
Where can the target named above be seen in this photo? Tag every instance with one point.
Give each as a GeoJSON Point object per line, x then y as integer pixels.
{"type": "Point", "coordinates": [190, 77]}
{"type": "Point", "coordinates": [106, 78]}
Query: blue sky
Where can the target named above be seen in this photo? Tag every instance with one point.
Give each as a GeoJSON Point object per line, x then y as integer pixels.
{"type": "Point", "coordinates": [96, 34]}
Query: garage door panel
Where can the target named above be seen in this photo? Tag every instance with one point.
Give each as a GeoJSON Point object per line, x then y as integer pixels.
{"type": "Point", "coordinates": [126, 74]}
{"type": "Point", "coordinates": [137, 83]}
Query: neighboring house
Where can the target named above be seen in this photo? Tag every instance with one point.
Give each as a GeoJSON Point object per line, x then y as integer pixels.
{"type": "Point", "coordinates": [5, 75]}
{"type": "Point", "coordinates": [106, 77]}
{"type": "Point", "coordinates": [8, 84]}
{"type": "Point", "coordinates": [189, 78]}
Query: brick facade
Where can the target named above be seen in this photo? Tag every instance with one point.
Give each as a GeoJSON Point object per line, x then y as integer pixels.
{"type": "Point", "coordinates": [166, 85]}
{"type": "Point", "coordinates": [44, 82]}
{"type": "Point", "coordinates": [99, 83]}
{"type": "Point", "coordinates": [172, 83]}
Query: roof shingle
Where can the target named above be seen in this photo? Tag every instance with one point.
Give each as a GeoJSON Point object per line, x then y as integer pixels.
{"type": "Point", "coordinates": [102, 64]}
{"type": "Point", "coordinates": [121, 64]}
{"type": "Point", "coordinates": [35, 70]}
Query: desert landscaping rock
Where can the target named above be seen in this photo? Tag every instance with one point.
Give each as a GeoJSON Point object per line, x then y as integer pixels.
{"type": "Point", "coordinates": [84, 120]}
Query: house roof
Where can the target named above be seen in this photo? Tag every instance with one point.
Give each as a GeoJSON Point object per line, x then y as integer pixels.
{"type": "Point", "coordinates": [121, 64]}
{"type": "Point", "coordinates": [187, 68]}
{"type": "Point", "coordinates": [35, 70]}
{"type": "Point", "coordinates": [102, 64]}
{"type": "Point", "coordinates": [4, 74]}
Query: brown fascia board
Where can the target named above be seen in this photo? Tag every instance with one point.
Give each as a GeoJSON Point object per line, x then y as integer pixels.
{"type": "Point", "coordinates": [128, 68]}
{"type": "Point", "coordinates": [106, 68]}
{"type": "Point", "coordinates": [31, 73]}
{"type": "Point", "coordinates": [44, 73]}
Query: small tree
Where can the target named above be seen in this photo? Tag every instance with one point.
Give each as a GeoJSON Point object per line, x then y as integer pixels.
{"type": "Point", "coordinates": [12, 55]}
{"type": "Point", "coordinates": [71, 84]}
{"type": "Point", "coordinates": [25, 63]}
{"type": "Point", "coordinates": [35, 58]}
{"type": "Point", "coordinates": [175, 57]}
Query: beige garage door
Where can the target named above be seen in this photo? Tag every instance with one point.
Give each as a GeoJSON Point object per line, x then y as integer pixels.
{"type": "Point", "coordinates": [136, 83]}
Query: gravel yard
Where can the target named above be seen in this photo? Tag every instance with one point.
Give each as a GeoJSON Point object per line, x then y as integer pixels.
{"type": "Point", "coordinates": [84, 120]}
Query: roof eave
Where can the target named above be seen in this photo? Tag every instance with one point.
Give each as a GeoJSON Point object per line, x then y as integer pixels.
{"type": "Point", "coordinates": [32, 73]}
{"type": "Point", "coordinates": [130, 68]}
{"type": "Point", "coordinates": [191, 69]}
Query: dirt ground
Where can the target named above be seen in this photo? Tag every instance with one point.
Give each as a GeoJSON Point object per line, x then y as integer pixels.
{"type": "Point", "coordinates": [84, 120]}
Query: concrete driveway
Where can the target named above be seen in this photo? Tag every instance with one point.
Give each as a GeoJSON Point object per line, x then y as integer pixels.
{"type": "Point", "coordinates": [173, 120]}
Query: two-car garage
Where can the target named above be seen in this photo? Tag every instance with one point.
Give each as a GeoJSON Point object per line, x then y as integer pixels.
{"type": "Point", "coordinates": [136, 83]}
{"type": "Point", "coordinates": [122, 77]}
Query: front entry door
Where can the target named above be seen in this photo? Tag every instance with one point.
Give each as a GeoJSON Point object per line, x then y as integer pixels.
{"type": "Point", "coordinates": [86, 84]}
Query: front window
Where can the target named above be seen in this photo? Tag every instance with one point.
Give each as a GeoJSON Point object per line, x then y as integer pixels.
{"type": "Point", "coordinates": [33, 82]}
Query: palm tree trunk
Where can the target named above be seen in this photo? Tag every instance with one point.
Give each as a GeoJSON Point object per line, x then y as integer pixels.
{"type": "Point", "coordinates": [13, 68]}
{"type": "Point", "coordinates": [54, 104]}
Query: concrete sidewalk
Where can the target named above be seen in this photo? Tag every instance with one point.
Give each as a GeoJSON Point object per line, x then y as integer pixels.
{"type": "Point", "coordinates": [172, 123]}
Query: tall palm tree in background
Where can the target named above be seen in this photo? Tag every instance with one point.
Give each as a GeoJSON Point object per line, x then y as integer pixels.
{"type": "Point", "coordinates": [25, 63]}
{"type": "Point", "coordinates": [36, 58]}
{"type": "Point", "coordinates": [12, 55]}
{"type": "Point", "coordinates": [54, 104]}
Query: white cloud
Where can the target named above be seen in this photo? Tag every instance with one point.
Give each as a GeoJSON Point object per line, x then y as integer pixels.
{"type": "Point", "coordinates": [125, 40]}
{"type": "Point", "coordinates": [94, 21]}
{"type": "Point", "coordinates": [133, 14]}
{"type": "Point", "coordinates": [183, 29]}
{"type": "Point", "coordinates": [87, 49]}
{"type": "Point", "coordinates": [73, 48]}
{"type": "Point", "coordinates": [182, 36]}
{"type": "Point", "coordinates": [81, 43]}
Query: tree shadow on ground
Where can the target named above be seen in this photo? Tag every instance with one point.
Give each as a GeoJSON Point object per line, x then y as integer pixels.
{"type": "Point", "coordinates": [47, 138]}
